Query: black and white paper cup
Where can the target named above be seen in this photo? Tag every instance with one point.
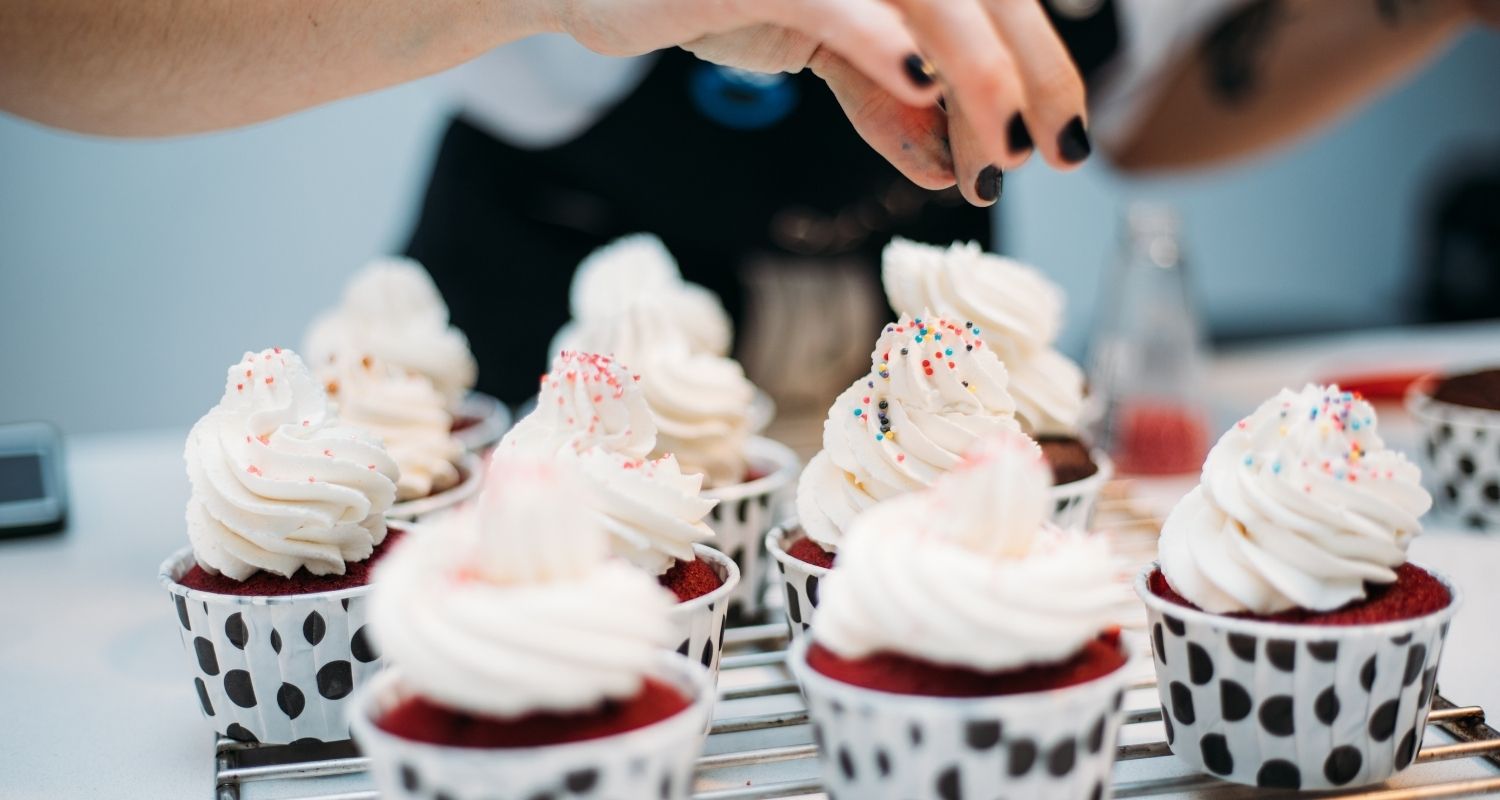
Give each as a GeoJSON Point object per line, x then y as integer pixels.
{"type": "Point", "coordinates": [1051, 745]}
{"type": "Point", "coordinates": [487, 421]}
{"type": "Point", "coordinates": [1073, 503]}
{"type": "Point", "coordinates": [655, 761]}
{"type": "Point", "coordinates": [273, 669]}
{"type": "Point", "coordinates": [747, 510]}
{"type": "Point", "coordinates": [1294, 706]}
{"type": "Point", "coordinates": [471, 477]}
{"type": "Point", "coordinates": [700, 622]}
{"type": "Point", "coordinates": [1461, 448]}
{"type": "Point", "coordinates": [799, 579]}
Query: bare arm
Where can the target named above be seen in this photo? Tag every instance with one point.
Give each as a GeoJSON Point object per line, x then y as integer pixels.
{"type": "Point", "coordinates": [1279, 68]}
{"type": "Point", "coordinates": [155, 67]}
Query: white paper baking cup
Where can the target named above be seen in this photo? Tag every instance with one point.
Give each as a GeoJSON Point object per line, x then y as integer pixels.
{"type": "Point", "coordinates": [1294, 706]}
{"type": "Point", "coordinates": [1057, 744]}
{"type": "Point", "coordinates": [800, 580]}
{"type": "Point", "coordinates": [273, 669]}
{"type": "Point", "coordinates": [747, 510]}
{"type": "Point", "coordinates": [493, 421]}
{"type": "Point", "coordinates": [650, 762]}
{"type": "Point", "coordinates": [1073, 503]}
{"type": "Point", "coordinates": [700, 622]}
{"type": "Point", "coordinates": [1461, 450]}
{"type": "Point", "coordinates": [471, 475]}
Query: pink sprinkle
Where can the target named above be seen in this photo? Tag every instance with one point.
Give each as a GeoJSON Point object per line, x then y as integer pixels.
{"type": "Point", "coordinates": [900, 457]}
{"type": "Point", "coordinates": [249, 372]}
{"type": "Point", "coordinates": [328, 453]}
{"type": "Point", "coordinates": [305, 423]}
{"type": "Point", "coordinates": [277, 350]}
{"type": "Point", "coordinates": [372, 466]}
{"type": "Point", "coordinates": [270, 379]}
{"type": "Point", "coordinates": [253, 470]}
{"type": "Point", "coordinates": [247, 438]}
{"type": "Point", "coordinates": [239, 387]}
{"type": "Point", "coordinates": [310, 479]}
{"type": "Point", "coordinates": [598, 398]}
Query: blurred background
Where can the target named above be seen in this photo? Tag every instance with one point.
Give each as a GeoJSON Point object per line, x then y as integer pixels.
{"type": "Point", "coordinates": [132, 272]}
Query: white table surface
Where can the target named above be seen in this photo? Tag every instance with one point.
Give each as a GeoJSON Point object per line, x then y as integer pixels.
{"type": "Point", "coordinates": [94, 694]}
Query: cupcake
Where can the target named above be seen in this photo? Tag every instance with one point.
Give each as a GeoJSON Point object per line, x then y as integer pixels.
{"type": "Point", "coordinates": [411, 417]}
{"type": "Point", "coordinates": [591, 414]}
{"type": "Point", "coordinates": [1295, 647]}
{"type": "Point", "coordinates": [1018, 312]}
{"type": "Point", "coordinates": [392, 311]}
{"type": "Point", "coordinates": [933, 391]}
{"type": "Point", "coordinates": [1460, 420]}
{"type": "Point", "coordinates": [703, 405]}
{"type": "Point", "coordinates": [286, 517]}
{"type": "Point", "coordinates": [966, 647]}
{"type": "Point", "coordinates": [530, 663]}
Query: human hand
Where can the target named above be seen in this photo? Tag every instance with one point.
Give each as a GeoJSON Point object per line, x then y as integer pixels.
{"type": "Point", "coordinates": [1001, 67]}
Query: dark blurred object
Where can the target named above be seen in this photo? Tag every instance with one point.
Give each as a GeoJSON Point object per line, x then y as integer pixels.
{"type": "Point", "coordinates": [33, 484]}
{"type": "Point", "coordinates": [1461, 256]}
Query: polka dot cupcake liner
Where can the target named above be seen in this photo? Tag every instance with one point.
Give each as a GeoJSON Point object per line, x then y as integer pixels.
{"type": "Point", "coordinates": [492, 421]}
{"type": "Point", "coordinates": [1461, 451]}
{"type": "Point", "coordinates": [1287, 706]}
{"type": "Point", "coordinates": [799, 579]}
{"type": "Point", "coordinates": [655, 761]}
{"type": "Point", "coordinates": [700, 622]}
{"type": "Point", "coordinates": [273, 669]}
{"type": "Point", "coordinates": [1073, 503]}
{"type": "Point", "coordinates": [471, 469]}
{"type": "Point", "coordinates": [747, 510]}
{"type": "Point", "coordinates": [1052, 745]}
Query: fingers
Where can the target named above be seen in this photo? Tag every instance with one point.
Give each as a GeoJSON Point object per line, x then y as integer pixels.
{"type": "Point", "coordinates": [1054, 116]}
{"type": "Point", "coordinates": [869, 34]}
{"type": "Point", "coordinates": [914, 139]}
{"type": "Point", "coordinates": [980, 180]}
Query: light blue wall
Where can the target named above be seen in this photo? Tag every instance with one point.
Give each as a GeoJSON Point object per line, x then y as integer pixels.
{"type": "Point", "coordinates": [133, 273]}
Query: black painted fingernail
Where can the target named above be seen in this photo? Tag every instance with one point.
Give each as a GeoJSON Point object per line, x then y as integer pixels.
{"type": "Point", "coordinates": [1019, 136]}
{"type": "Point", "coordinates": [919, 70]}
{"type": "Point", "coordinates": [990, 184]}
{"type": "Point", "coordinates": [1073, 142]}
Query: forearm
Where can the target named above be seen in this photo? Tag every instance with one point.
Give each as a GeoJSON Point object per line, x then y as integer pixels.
{"type": "Point", "coordinates": [1279, 68]}
{"type": "Point", "coordinates": [161, 67]}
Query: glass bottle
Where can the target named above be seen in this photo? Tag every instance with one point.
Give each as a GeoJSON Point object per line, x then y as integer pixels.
{"type": "Point", "coordinates": [1145, 363]}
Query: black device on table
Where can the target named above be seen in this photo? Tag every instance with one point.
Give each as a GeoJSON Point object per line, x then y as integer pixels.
{"type": "Point", "coordinates": [33, 484]}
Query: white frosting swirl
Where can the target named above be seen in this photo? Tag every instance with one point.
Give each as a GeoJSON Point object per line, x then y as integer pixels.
{"type": "Point", "coordinates": [1015, 306]}
{"type": "Point", "coordinates": [591, 411]}
{"type": "Point", "coordinates": [279, 483]}
{"type": "Point", "coordinates": [640, 265]}
{"type": "Point", "coordinates": [934, 391]}
{"type": "Point", "coordinates": [1300, 504]}
{"type": "Point", "coordinates": [406, 412]}
{"type": "Point", "coordinates": [392, 310]}
{"type": "Point", "coordinates": [968, 573]}
{"type": "Point", "coordinates": [512, 606]}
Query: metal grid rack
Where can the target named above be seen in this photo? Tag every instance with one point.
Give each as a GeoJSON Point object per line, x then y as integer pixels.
{"type": "Point", "coordinates": [760, 745]}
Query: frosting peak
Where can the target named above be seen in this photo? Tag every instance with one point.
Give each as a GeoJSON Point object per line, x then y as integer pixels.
{"type": "Point", "coordinates": [1300, 504]}
{"type": "Point", "coordinates": [587, 400]}
{"type": "Point", "coordinates": [279, 482]}
{"type": "Point", "coordinates": [512, 605]}
{"type": "Point", "coordinates": [969, 573]}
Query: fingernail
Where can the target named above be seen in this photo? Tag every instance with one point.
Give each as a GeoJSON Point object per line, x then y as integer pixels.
{"type": "Point", "coordinates": [1073, 142]}
{"type": "Point", "coordinates": [1019, 136]}
{"type": "Point", "coordinates": [919, 71]}
{"type": "Point", "coordinates": [989, 184]}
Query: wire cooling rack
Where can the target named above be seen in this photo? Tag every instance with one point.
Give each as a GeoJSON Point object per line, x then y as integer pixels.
{"type": "Point", "coordinates": [760, 745]}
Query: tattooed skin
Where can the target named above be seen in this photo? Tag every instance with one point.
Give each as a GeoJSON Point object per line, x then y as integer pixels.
{"type": "Point", "coordinates": [1232, 51]}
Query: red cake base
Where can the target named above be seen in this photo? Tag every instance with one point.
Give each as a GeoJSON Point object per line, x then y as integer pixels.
{"type": "Point", "coordinates": [810, 552]}
{"type": "Point", "coordinates": [899, 674]}
{"type": "Point", "coordinates": [1415, 593]}
{"type": "Point", "coordinates": [691, 579]}
{"type": "Point", "coordinates": [463, 423]}
{"type": "Point", "coordinates": [268, 584]}
{"type": "Point", "coordinates": [421, 720]}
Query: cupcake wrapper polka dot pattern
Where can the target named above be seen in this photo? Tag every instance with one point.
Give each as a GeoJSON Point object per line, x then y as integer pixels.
{"type": "Point", "coordinates": [1073, 503]}
{"type": "Point", "coordinates": [651, 762]}
{"type": "Point", "coordinates": [273, 669]}
{"type": "Point", "coordinates": [799, 580]}
{"type": "Point", "coordinates": [472, 469]}
{"type": "Point", "coordinates": [1054, 745]}
{"type": "Point", "coordinates": [493, 421]}
{"type": "Point", "coordinates": [747, 510]}
{"type": "Point", "coordinates": [1461, 450]}
{"type": "Point", "coordinates": [700, 622]}
{"type": "Point", "coordinates": [1294, 706]}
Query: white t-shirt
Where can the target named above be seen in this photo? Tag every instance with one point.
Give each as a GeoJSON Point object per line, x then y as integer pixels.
{"type": "Point", "coordinates": [545, 90]}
